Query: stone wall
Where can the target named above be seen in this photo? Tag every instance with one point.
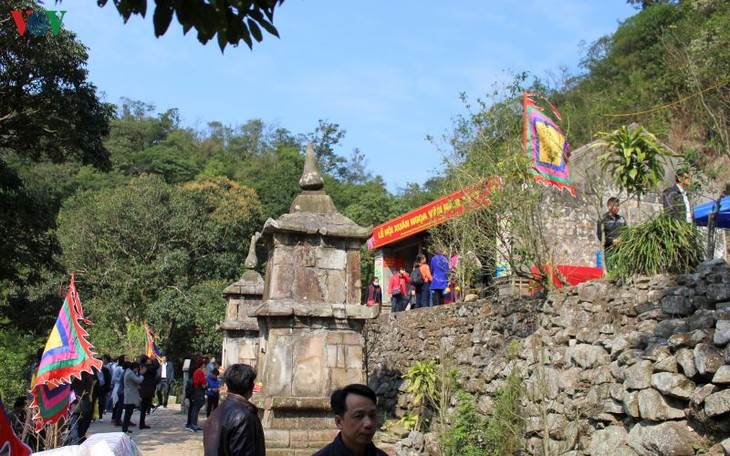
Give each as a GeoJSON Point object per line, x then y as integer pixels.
{"type": "Point", "coordinates": [636, 370]}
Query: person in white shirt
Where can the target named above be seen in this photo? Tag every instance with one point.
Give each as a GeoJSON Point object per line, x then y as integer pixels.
{"type": "Point", "coordinates": [165, 377]}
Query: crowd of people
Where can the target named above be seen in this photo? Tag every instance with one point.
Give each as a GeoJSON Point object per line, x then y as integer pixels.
{"type": "Point", "coordinates": [119, 388]}
{"type": "Point", "coordinates": [430, 283]}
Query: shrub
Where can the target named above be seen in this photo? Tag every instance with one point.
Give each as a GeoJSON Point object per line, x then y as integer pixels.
{"type": "Point", "coordinates": [16, 356]}
{"type": "Point", "coordinates": [497, 434]}
{"type": "Point", "coordinates": [660, 245]}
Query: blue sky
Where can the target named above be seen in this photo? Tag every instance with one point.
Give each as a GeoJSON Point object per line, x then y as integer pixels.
{"type": "Point", "coordinates": [390, 73]}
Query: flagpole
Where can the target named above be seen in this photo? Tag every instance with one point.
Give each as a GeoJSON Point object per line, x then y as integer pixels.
{"type": "Point", "coordinates": [524, 122]}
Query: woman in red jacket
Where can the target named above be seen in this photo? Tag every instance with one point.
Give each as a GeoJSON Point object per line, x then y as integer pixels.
{"type": "Point", "coordinates": [398, 289]}
{"type": "Point", "coordinates": [198, 397]}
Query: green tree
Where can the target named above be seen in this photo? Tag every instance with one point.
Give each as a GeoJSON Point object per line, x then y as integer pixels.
{"type": "Point", "coordinates": [634, 160]}
{"type": "Point", "coordinates": [51, 123]}
{"type": "Point", "coordinates": [138, 248]}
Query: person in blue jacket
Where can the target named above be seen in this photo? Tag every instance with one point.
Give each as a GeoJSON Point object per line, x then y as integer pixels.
{"type": "Point", "coordinates": [440, 273]}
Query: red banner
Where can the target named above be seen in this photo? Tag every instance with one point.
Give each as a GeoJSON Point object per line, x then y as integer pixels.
{"type": "Point", "coordinates": [432, 214]}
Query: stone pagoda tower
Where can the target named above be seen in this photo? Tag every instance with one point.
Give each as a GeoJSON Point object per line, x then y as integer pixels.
{"type": "Point", "coordinates": [311, 318]}
{"type": "Point", "coordinates": [241, 332]}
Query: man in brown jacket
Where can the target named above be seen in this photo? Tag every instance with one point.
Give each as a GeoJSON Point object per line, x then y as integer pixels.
{"type": "Point", "coordinates": [234, 428]}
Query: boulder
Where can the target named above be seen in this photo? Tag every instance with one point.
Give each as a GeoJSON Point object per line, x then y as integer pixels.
{"type": "Point", "coordinates": [631, 404]}
{"type": "Point", "coordinates": [701, 393]}
{"type": "Point", "coordinates": [708, 359]}
{"type": "Point", "coordinates": [702, 319]}
{"type": "Point", "coordinates": [676, 305]}
{"type": "Point", "coordinates": [722, 376]}
{"type": "Point", "coordinates": [638, 376]}
{"type": "Point", "coordinates": [717, 403]}
{"type": "Point", "coordinates": [675, 385]}
{"type": "Point", "coordinates": [589, 356]}
{"type": "Point", "coordinates": [673, 438]}
{"type": "Point", "coordinates": [717, 292]}
{"type": "Point", "coordinates": [686, 360]}
{"type": "Point", "coordinates": [654, 407]}
{"type": "Point", "coordinates": [668, 364]}
{"type": "Point", "coordinates": [611, 440]}
{"type": "Point", "coordinates": [722, 332]}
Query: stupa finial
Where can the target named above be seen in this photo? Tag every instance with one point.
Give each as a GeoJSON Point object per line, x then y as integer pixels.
{"type": "Point", "coordinates": [311, 179]}
{"type": "Point", "coordinates": [252, 261]}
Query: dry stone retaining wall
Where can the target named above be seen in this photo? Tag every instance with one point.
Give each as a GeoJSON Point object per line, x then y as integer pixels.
{"type": "Point", "coordinates": [639, 369]}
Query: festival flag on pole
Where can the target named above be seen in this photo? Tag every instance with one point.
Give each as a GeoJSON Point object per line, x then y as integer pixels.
{"type": "Point", "coordinates": [67, 353]}
{"type": "Point", "coordinates": [151, 349]}
{"type": "Point", "coordinates": [546, 146]}
{"type": "Point", "coordinates": [9, 442]}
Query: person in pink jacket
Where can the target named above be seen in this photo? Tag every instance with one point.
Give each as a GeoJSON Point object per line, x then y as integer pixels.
{"type": "Point", "coordinates": [398, 290]}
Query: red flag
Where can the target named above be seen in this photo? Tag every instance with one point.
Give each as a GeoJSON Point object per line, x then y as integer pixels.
{"type": "Point", "coordinates": [9, 442]}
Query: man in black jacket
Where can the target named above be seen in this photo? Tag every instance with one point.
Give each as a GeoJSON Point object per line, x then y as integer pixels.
{"type": "Point", "coordinates": [234, 428]}
{"type": "Point", "coordinates": [356, 416]}
{"type": "Point", "coordinates": [147, 387]}
{"type": "Point", "coordinates": [674, 199]}
{"type": "Point", "coordinates": [610, 226]}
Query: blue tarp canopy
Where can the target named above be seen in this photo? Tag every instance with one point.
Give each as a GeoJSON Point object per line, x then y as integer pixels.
{"type": "Point", "coordinates": [703, 211]}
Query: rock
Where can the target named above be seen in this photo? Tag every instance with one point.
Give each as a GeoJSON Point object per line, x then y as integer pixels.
{"type": "Point", "coordinates": [417, 440]}
{"type": "Point", "coordinates": [656, 352]}
{"type": "Point", "coordinates": [654, 407]}
{"type": "Point", "coordinates": [616, 345]}
{"type": "Point", "coordinates": [722, 376]}
{"type": "Point", "coordinates": [702, 319]}
{"type": "Point", "coordinates": [431, 446]}
{"type": "Point", "coordinates": [638, 376]}
{"type": "Point", "coordinates": [680, 340]}
{"type": "Point", "coordinates": [592, 291]}
{"type": "Point", "coordinates": [686, 359]}
{"type": "Point", "coordinates": [569, 378]}
{"type": "Point", "coordinates": [638, 339]}
{"type": "Point", "coordinates": [668, 364]}
{"type": "Point", "coordinates": [722, 332]}
{"type": "Point", "coordinates": [589, 356]}
{"type": "Point", "coordinates": [676, 305]}
{"type": "Point", "coordinates": [557, 426]}
{"type": "Point", "coordinates": [671, 438]}
{"type": "Point", "coordinates": [631, 404]}
{"type": "Point", "coordinates": [701, 393]}
{"type": "Point", "coordinates": [708, 359]}
{"type": "Point", "coordinates": [610, 441]}
{"type": "Point", "coordinates": [726, 446]}
{"type": "Point", "coordinates": [718, 292]}
{"type": "Point", "coordinates": [717, 403]}
{"type": "Point", "coordinates": [665, 328]}
{"type": "Point", "coordinates": [612, 406]}
{"type": "Point", "coordinates": [471, 297]}
{"type": "Point", "coordinates": [676, 385]}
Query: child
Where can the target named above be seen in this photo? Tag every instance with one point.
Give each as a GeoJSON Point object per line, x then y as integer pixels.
{"type": "Point", "coordinates": [212, 393]}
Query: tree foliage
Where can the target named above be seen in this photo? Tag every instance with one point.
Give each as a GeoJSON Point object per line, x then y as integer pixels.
{"type": "Point", "coordinates": [232, 21]}
{"type": "Point", "coordinates": [52, 124]}
{"type": "Point", "coordinates": [145, 242]}
{"type": "Point", "coordinates": [634, 160]}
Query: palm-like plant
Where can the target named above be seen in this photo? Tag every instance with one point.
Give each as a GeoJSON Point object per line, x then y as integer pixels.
{"type": "Point", "coordinates": [635, 160]}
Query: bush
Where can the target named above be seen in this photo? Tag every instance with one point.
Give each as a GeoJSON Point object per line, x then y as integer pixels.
{"type": "Point", "coordinates": [660, 245]}
{"type": "Point", "coordinates": [16, 356]}
{"type": "Point", "coordinates": [498, 434]}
